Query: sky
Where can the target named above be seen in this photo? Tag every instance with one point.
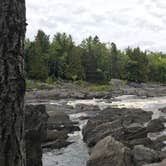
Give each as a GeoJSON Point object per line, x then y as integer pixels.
{"type": "Point", "coordinates": [126, 22]}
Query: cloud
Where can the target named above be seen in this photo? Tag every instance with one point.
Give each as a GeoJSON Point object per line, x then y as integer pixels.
{"type": "Point", "coordinates": [127, 23]}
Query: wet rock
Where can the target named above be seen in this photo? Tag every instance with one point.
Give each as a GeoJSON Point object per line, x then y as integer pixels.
{"type": "Point", "coordinates": [158, 144]}
{"type": "Point", "coordinates": [84, 107]}
{"type": "Point", "coordinates": [58, 144]}
{"type": "Point", "coordinates": [35, 133]}
{"type": "Point", "coordinates": [59, 120]}
{"type": "Point", "coordinates": [143, 155]}
{"type": "Point", "coordinates": [155, 125]}
{"type": "Point", "coordinates": [56, 135]}
{"type": "Point", "coordinates": [163, 110]}
{"type": "Point", "coordinates": [110, 152]}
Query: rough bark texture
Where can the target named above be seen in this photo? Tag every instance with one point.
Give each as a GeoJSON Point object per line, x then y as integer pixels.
{"type": "Point", "coordinates": [12, 84]}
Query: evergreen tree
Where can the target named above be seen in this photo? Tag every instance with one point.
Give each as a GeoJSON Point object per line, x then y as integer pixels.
{"type": "Point", "coordinates": [114, 61]}
{"type": "Point", "coordinates": [39, 64]}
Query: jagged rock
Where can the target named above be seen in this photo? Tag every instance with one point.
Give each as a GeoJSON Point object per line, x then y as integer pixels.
{"type": "Point", "coordinates": [155, 125]}
{"type": "Point", "coordinates": [123, 124]}
{"type": "Point", "coordinates": [143, 155]}
{"type": "Point", "coordinates": [35, 133]}
{"type": "Point", "coordinates": [109, 152]}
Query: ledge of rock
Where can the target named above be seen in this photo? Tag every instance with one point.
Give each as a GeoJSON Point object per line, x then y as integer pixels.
{"type": "Point", "coordinates": [35, 133]}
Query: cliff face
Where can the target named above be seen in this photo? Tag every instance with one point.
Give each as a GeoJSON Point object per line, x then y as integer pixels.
{"type": "Point", "coordinates": [35, 133]}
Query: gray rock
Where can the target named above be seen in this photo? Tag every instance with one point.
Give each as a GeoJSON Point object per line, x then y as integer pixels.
{"type": "Point", "coordinates": [56, 135]}
{"type": "Point", "coordinates": [155, 125]}
{"type": "Point", "coordinates": [109, 152]}
{"type": "Point", "coordinates": [163, 110]}
{"type": "Point", "coordinates": [123, 124]}
{"type": "Point", "coordinates": [143, 155]}
{"type": "Point", "coordinates": [59, 120]}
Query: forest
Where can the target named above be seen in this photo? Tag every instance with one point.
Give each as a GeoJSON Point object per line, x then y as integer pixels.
{"type": "Point", "coordinates": [92, 60]}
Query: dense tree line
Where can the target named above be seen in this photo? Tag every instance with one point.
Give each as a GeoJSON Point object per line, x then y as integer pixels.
{"type": "Point", "coordinates": [91, 60]}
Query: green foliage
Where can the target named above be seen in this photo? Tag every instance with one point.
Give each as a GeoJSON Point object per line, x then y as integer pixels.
{"type": "Point", "coordinates": [100, 87]}
{"type": "Point", "coordinates": [137, 65]}
{"type": "Point", "coordinates": [92, 61]}
{"type": "Point", "coordinates": [51, 81]}
{"type": "Point", "coordinates": [36, 56]}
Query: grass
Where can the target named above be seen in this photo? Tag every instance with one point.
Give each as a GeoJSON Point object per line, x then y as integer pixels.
{"type": "Point", "coordinates": [100, 87]}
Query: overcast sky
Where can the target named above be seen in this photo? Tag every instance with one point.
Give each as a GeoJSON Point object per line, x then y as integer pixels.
{"type": "Point", "coordinates": [125, 22]}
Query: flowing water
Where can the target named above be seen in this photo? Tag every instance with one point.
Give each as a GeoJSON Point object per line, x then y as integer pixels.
{"type": "Point", "coordinates": [76, 154]}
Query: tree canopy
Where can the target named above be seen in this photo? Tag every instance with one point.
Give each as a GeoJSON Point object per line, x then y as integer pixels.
{"type": "Point", "coordinates": [92, 60]}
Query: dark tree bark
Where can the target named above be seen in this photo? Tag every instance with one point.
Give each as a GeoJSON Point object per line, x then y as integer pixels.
{"type": "Point", "coordinates": [12, 84]}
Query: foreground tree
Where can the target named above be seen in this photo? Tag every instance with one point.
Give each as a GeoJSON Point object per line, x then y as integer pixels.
{"type": "Point", "coordinates": [12, 84]}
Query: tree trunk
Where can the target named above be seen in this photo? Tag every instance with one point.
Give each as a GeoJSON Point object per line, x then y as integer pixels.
{"type": "Point", "coordinates": [12, 84]}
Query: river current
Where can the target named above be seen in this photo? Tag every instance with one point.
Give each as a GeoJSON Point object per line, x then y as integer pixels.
{"type": "Point", "coordinates": [76, 154]}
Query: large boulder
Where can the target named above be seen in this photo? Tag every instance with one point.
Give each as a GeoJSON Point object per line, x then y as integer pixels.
{"type": "Point", "coordinates": [109, 152]}
{"type": "Point", "coordinates": [155, 125]}
{"type": "Point", "coordinates": [143, 155]}
{"type": "Point", "coordinates": [59, 120]}
{"type": "Point", "coordinates": [35, 133]}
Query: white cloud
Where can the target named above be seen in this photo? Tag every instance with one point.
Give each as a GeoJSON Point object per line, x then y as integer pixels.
{"type": "Point", "coordinates": [129, 22]}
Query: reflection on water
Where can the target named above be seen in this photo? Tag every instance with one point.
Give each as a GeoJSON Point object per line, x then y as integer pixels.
{"type": "Point", "coordinates": [76, 154]}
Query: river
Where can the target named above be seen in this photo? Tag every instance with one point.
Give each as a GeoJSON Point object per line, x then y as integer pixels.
{"type": "Point", "coordinates": [76, 154]}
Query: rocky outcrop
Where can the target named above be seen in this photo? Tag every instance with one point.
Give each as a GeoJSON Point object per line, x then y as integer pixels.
{"type": "Point", "coordinates": [155, 125]}
{"type": "Point", "coordinates": [124, 125]}
{"type": "Point", "coordinates": [143, 155]}
{"type": "Point", "coordinates": [129, 127]}
{"type": "Point", "coordinates": [35, 133]}
{"type": "Point", "coordinates": [59, 126]}
{"type": "Point", "coordinates": [109, 152]}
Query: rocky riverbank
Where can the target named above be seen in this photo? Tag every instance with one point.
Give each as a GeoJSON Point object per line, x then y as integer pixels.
{"type": "Point", "coordinates": [116, 136]}
{"type": "Point", "coordinates": [120, 137]}
{"type": "Point", "coordinates": [72, 91]}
